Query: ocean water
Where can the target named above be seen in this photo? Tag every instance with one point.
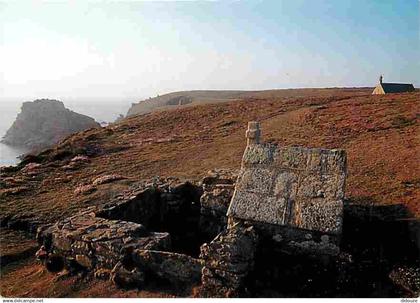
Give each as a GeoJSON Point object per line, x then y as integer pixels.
{"type": "Point", "coordinates": [101, 111]}
{"type": "Point", "coordinates": [8, 113]}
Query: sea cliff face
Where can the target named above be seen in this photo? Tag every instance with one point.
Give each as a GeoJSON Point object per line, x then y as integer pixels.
{"type": "Point", "coordinates": [44, 122]}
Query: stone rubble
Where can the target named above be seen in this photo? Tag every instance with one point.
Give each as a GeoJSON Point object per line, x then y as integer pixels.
{"type": "Point", "coordinates": [174, 267]}
{"type": "Point", "coordinates": [291, 192]}
{"type": "Point", "coordinates": [227, 262]}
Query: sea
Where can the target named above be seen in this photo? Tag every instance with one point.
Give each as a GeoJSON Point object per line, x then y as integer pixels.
{"type": "Point", "coordinates": [102, 112]}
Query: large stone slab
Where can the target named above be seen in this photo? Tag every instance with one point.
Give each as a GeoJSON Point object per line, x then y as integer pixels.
{"type": "Point", "coordinates": [95, 242]}
{"type": "Point", "coordinates": [291, 186]}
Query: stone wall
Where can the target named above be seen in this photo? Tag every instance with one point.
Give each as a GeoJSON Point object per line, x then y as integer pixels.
{"type": "Point", "coordinates": [218, 187]}
{"type": "Point", "coordinates": [293, 194]}
{"type": "Point", "coordinates": [97, 243]}
{"type": "Point", "coordinates": [150, 231]}
{"type": "Point", "coordinates": [227, 261]}
{"type": "Point", "coordinates": [44, 122]}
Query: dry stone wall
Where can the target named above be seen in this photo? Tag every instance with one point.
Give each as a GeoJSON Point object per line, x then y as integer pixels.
{"type": "Point", "coordinates": [293, 186]}
{"type": "Point", "coordinates": [227, 261]}
{"type": "Point", "coordinates": [125, 239]}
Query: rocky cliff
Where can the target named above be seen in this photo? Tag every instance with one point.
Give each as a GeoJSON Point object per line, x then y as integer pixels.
{"type": "Point", "coordinates": [44, 122]}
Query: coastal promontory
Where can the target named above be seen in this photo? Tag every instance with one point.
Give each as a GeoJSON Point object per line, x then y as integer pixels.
{"type": "Point", "coordinates": [44, 122]}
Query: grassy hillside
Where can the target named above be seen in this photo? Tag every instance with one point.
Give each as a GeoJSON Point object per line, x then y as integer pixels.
{"type": "Point", "coordinates": [379, 133]}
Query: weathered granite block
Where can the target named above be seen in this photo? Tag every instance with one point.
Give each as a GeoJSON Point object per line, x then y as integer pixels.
{"type": "Point", "coordinates": [315, 214]}
{"type": "Point", "coordinates": [273, 205]}
{"type": "Point", "coordinates": [246, 205]}
{"type": "Point", "coordinates": [258, 154]}
{"type": "Point", "coordinates": [216, 201]}
{"type": "Point", "coordinates": [286, 184]}
{"type": "Point", "coordinates": [257, 180]}
{"type": "Point", "coordinates": [291, 186]}
{"type": "Point", "coordinates": [289, 157]}
{"type": "Point", "coordinates": [219, 176]}
{"type": "Point", "coordinates": [227, 261]}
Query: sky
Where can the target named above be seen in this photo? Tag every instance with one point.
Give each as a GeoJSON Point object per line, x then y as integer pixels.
{"type": "Point", "coordinates": [132, 50]}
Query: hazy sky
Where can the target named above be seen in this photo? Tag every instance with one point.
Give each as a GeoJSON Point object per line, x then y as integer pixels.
{"type": "Point", "coordinates": [139, 49]}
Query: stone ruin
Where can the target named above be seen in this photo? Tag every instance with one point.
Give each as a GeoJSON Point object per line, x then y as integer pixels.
{"type": "Point", "coordinates": [271, 229]}
{"type": "Point", "coordinates": [290, 195]}
{"type": "Point", "coordinates": [153, 231]}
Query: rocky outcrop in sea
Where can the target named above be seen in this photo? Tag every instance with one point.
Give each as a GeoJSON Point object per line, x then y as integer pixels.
{"type": "Point", "coordinates": [44, 122]}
